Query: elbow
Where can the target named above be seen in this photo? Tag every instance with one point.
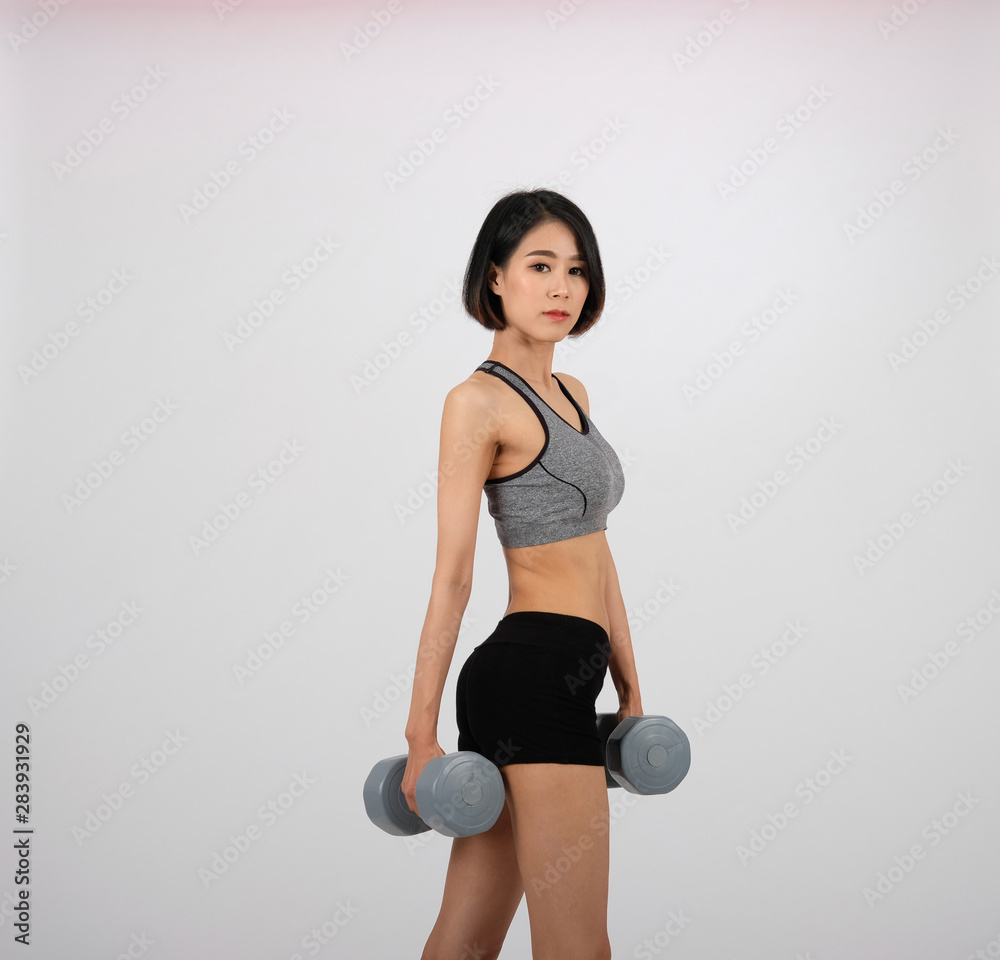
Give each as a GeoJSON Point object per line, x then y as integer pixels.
{"type": "Point", "coordinates": [454, 581]}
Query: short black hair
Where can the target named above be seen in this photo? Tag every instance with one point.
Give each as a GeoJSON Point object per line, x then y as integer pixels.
{"type": "Point", "coordinates": [505, 226]}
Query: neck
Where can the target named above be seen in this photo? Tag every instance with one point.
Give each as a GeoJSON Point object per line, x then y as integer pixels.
{"type": "Point", "coordinates": [535, 365]}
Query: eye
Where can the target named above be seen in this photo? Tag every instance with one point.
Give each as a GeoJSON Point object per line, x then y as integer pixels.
{"type": "Point", "coordinates": [577, 271]}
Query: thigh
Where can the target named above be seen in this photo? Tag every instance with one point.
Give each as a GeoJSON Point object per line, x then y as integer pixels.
{"type": "Point", "coordinates": [559, 814]}
{"type": "Point", "coordinates": [481, 895]}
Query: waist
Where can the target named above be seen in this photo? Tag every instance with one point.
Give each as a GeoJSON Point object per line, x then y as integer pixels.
{"type": "Point", "coordinates": [548, 629]}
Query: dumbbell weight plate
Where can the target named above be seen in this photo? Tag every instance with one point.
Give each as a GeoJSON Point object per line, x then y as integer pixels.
{"type": "Point", "coordinates": [461, 794]}
{"type": "Point", "coordinates": [648, 755]}
{"type": "Point", "coordinates": [384, 801]}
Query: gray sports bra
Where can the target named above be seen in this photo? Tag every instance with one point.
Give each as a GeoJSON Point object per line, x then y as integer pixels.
{"type": "Point", "coordinates": [568, 490]}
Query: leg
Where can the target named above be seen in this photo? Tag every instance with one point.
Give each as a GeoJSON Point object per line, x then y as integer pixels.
{"type": "Point", "coordinates": [481, 895]}
{"type": "Point", "coordinates": [559, 813]}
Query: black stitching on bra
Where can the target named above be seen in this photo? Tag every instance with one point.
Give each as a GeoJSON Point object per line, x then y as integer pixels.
{"type": "Point", "coordinates": [573, 485]}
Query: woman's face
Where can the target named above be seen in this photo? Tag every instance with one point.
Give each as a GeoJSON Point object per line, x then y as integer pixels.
{"type": "Point", "coordinates": [544, 285]}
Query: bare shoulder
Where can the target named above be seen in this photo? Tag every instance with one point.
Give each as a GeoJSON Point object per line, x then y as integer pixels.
{"type": "Point", "coordinates": [578, 390]}
{"type": "Point", "coordinates": [478, 390]}
{"type": "Point", "coordinates": [473, 403]}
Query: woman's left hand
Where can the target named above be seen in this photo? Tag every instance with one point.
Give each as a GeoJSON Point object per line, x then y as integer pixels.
{"type": "Point", "coordinates": [631, 709]}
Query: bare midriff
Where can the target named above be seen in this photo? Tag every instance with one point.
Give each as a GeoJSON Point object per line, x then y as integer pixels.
{"type": "Point", "coordinates": [567, 576]}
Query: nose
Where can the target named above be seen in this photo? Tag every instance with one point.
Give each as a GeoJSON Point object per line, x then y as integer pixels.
{"type": "Point", "coordinates": [559, 284]}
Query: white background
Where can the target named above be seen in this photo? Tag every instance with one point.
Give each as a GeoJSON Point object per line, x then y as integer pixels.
{"type": "Point", "coordinates": [639, 112]}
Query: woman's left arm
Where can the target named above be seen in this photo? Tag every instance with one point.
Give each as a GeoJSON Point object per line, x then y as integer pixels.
{"type": "Point", "coordinates": [621, 662]}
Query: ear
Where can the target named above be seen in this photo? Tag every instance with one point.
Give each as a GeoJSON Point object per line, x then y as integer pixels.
{"type": "Point", "coordinates": [494, 278]}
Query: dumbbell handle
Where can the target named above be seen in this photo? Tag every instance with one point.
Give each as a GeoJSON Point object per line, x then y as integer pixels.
{"type": "Point", "coordinates": [606, 723]}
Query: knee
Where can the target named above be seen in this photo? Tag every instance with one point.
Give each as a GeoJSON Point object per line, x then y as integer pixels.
{"type": "Point", "coordinates": [478, 952]}
{"type": "Point", "coordinates": [475, 951]}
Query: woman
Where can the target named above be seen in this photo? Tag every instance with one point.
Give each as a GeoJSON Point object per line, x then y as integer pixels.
{"type": "Point", "coordinates": [526, 694]}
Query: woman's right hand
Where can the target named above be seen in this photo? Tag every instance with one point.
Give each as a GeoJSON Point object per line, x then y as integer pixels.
{"type": "Point", "coordinates": [419, 754]}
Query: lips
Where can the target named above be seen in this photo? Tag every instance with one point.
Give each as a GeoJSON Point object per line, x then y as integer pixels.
{"type": "Point", "coordinates": [558, 314]}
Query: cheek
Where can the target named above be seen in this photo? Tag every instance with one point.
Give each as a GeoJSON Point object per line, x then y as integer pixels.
{"type": "Point", "coordinates": [526, 285]}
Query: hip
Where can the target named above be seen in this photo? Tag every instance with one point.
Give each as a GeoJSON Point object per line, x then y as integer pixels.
{"type": "Point", "coordinates": [538, 654]}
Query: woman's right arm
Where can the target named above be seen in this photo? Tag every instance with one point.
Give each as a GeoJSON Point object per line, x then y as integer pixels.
{"type": "Point", "coordinates": [469, 441]}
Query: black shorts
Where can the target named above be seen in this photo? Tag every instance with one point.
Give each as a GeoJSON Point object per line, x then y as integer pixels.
{"type": "Point", "coordinates": [527, 693]}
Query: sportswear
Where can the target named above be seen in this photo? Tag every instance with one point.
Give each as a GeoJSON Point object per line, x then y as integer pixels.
{"type": "Point", "coordinates": [527, 693]}
{"type": "Point", "coordinates": [570, 487]}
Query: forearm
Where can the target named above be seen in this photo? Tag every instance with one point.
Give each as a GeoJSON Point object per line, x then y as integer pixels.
{"type": "Point", "coordinates": [621, 662]}
{"type": "Point", "coordinates": [621, 666]}
{"type": "Point", "coordinates": [434, 655]}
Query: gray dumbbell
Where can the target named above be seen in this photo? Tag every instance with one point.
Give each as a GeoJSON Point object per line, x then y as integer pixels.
{"type": "Point", "coordinates": [645, 755]}
{"type": "Point", "coordinates": [461, 794]}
